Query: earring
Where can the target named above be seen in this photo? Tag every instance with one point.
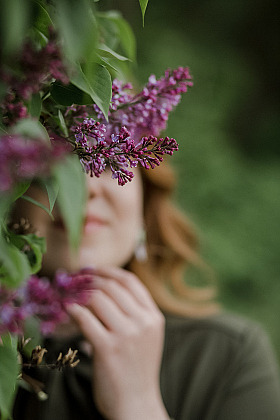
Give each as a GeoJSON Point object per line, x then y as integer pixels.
{"type": "Point", "coordinates": [140, 251]}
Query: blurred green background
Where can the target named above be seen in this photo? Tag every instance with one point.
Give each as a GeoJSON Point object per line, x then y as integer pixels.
{"type": "Point", "coordinates": [227, 127]}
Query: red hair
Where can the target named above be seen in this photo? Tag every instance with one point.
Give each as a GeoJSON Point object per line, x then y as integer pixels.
{"type": "Point", "coordinates": [172, 247]}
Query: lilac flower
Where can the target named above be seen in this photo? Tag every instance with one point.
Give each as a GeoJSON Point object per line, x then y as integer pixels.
{"type": "Point", "coordinates": [97, 143]}
{"type": "Point", "coordinates": [11, 318]}
{"type": "Point", "coordinates": [145, 113]}
{"type": "Point", "coordinates": [36, 68]}
{"type": "Point", "coordinates": [44, 299]}
{"type": "Point", "coordinates": [22, 159]}
{"type": "Point", "coordinates": [131, 117]}
{"type": "Point", "coordinates": [120, 153]}
{"type": "Point", "coordinates": [13, 111]}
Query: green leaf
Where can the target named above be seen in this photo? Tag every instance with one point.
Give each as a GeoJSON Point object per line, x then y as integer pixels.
{"type": "Point", "coordinates": [52, 190]}
{"type": "Point", "coordinates": [32, 330]}
{"type": "Point", "coordinates": [19, 190]}
{"type": "Point", "coordinates": [68, 95]}
{"type": "Point", "coordinates": [39, 241]}
{"type": "Point", "coordinates": [105, 51]}
{"type": "Point", "coordinates": [35, 105]}
{"type": "Point", "coordinates": [62, 124]}
{"type": "Point", "coordinates": [37, 246]}
{"type": "Point", "coordinates": [30, 238]}
{"type": "Point", "coordinates": [39, 37]}
{"type": "Point", "coordinates": [97, 84]}
{"type": "Point", "coordinates": [37, 203]}
{"type": "Point", "coordinates": [14, 265]}
{"type": "Point", "coordinates": [31, 128]}
{"type": "Point", "coordinates": [105, 63]}
{"type": "Point", "coordinates": [3, 130]}
{"type": "Point", "coordinates": [71, 196]}
{"type": "Point", "coordinates": [15, 17]}
{"type": "Point", "coordinates": [127, 38]}
{"type": "Point", "coordinates": [43, 20]}
{"type": "Point", "coordinates": [9, 370]}
{"type": "Point", "coordinates": [35, 257]}
{"type": "Point", "coordinates": [6, 199]}
{"type": "Point", "coordinates": [121, 31]}
{"type": "Point", "coordinates": [108, 29]}
{"type": "Point", "coordinates": [77, 25]}
{"type": "Point", "coordinates": [143, 5]}
{"type": "Point", "coordinates": [5, 203]}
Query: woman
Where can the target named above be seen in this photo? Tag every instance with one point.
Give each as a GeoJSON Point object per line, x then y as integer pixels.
{"type": "Point", "coordinates": [150, 355]}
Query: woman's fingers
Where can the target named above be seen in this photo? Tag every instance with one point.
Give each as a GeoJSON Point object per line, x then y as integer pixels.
{"type": "Point", "coordinates": [118, 302]}
{"type": "Point", "coordinates": [109, 311]}
{"type": "Point", "coordinates": [121, 296]}
{"type": "Point", "coordinates": [90, 326]}
{"type": "Point", "coordinates": [130, 282]}
{"type": "Point", "coordinates": [112, 305]}
{"type": "Point", "coordinates": [126, 331]}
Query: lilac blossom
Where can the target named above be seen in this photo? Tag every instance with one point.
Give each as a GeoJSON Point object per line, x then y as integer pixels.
{"type": "Point", "coordinates": [145, 113]}
{"type": "Point", "coordinates": [44, 299]}
{"type": "Point", "coordinates": [135, 121]}
{"type": "Point", "coordinates": [22, 159]}
{"type": "Point", "coordinates": [120, 153]}
{"type": "Point", "coordinates": [13, 110]}
{"type": "Point", "coordinates": [36, 69]}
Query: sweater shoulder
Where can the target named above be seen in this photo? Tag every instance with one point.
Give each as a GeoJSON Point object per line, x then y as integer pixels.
{"type": "Point", "coordinates": [228, 349]}
{"type": "Point", "coordinates": [226, 334]}
{"type": "Point", "coordinates": [223, 325]}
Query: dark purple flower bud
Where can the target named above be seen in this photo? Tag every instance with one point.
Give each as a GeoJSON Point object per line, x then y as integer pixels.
{"type": "Point", "coordinates": [22, 159]}
{"type": "Point", "coordinates": [44, 299]}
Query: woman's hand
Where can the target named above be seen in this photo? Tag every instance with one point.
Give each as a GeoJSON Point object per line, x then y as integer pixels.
{"type": "Point", "coordinates": [126, 331]}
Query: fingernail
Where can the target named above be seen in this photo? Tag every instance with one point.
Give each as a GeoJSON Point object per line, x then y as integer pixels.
{"type": "Point", "coordinates": [72, 308]}
{"type": "Point", "coordinates": [88, 270]}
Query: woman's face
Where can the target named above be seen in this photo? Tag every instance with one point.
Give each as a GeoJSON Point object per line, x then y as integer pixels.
{"type": "Point", "coordinates": [112, 224]}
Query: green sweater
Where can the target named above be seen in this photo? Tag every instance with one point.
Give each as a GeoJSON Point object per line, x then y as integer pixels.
{"type": "Point", "coordinates": [218, 368]}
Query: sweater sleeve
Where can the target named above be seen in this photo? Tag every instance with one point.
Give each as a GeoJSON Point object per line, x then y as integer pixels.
{"type": "Point", "coordinates": [253, 390]}
{"type": "Point", "coordinates": [220, 368]}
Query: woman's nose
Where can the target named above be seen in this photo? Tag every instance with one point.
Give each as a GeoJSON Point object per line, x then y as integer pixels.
{"type": "Point", "coordinates": [94, 186]}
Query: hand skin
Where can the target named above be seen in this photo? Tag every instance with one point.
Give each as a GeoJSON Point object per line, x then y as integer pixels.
{"type": "Point", "coordinates": [126, 331]}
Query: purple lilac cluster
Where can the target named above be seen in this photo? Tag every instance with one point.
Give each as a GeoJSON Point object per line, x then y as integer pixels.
{"type": "Point", "coordinates": [120, 153]}
{"type": "Point", "coordinates": [120, 97]}
{"type": "Point", "coordinates": [44, 299]}
{"type": "Point", "coordinates": [36, 68]}
{"type": "Point", "coordinates": [121, 142]}
{"type": "Point", "coordinates": [147, 112]}
{"type": "Point", "coordinates": [22, 159]}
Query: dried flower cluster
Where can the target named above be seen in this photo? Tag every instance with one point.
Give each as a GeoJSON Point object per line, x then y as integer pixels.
{"type": "Point", "coordinates": [42, 298]}
{"type": "Point", "coordinates": [68, 360]}
{"type": "Point", "coordinates": [22, 227]}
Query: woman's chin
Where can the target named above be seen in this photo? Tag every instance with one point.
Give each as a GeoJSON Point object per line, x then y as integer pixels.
{"type": "Point", "coordinates": [50, 266]}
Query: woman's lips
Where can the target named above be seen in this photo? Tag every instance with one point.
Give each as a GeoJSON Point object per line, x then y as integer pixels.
{"type": "Point", "coordinates": [91, 223]}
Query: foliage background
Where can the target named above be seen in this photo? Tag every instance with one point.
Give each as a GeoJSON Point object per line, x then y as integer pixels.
{"type": "Point", "coordinates": [227, 127]}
